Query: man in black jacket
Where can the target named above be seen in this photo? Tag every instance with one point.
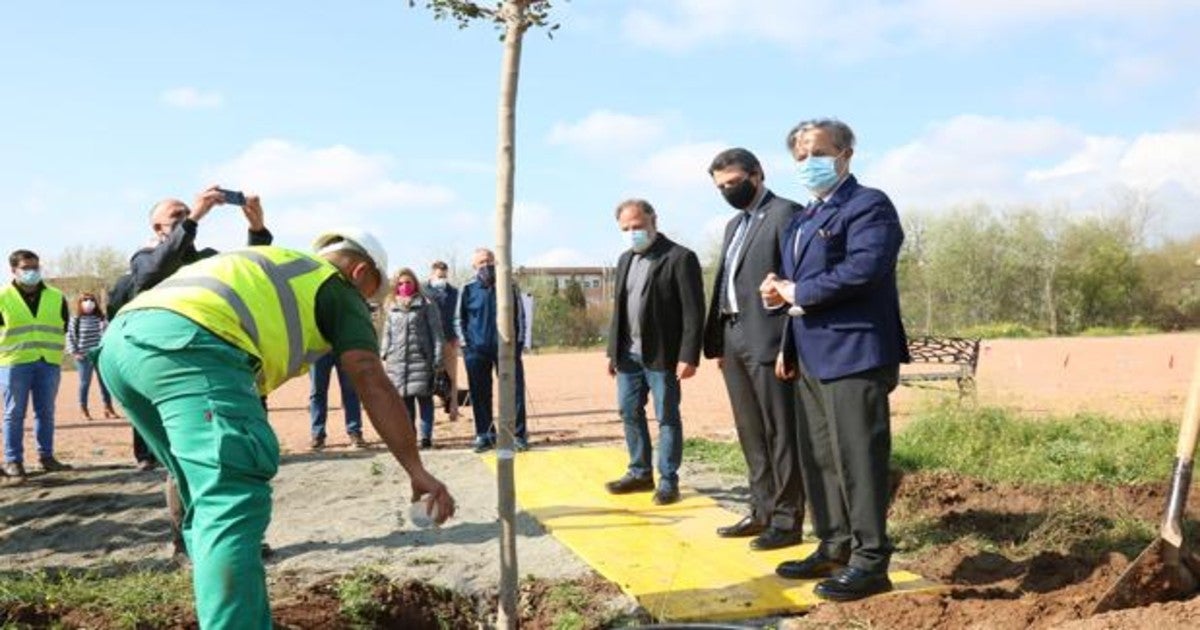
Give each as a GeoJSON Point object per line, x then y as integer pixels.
{"type": "Point", "coordinates": [743, 337]}
{"type": "Point", "coordinates": [655, 339]}
{"type": "Point", "coordinates": [173, 246]}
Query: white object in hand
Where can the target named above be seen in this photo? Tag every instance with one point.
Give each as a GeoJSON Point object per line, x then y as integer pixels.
{"type": "Point", "coordinates": [423, 512]}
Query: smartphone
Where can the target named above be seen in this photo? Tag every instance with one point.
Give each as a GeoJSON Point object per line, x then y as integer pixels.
{"type": "Point", "coordinates": [234, 197]}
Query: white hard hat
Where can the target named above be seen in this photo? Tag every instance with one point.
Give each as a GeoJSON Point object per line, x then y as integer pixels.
{"type": "Point", "coordinates": [354, 239]}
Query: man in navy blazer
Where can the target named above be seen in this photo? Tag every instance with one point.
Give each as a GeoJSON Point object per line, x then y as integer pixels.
{"type": "Point", "coordinates": [839, 258]}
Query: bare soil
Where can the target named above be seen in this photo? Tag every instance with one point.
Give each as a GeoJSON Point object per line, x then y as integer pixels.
{"type": "Point", "coordinates": [341, 509]}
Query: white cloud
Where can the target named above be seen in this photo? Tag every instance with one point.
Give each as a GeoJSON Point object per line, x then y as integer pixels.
{"type": "Point", "coordinates": [191, 98]}
{"type": "Point", "coordinates": [999, 161]}
{"type": "Point", "coordinates": [529, 216]}
{"type": "Point", "coordinates": [560, 257]}
{"type": "Point", "coordinates": [971, 157]}
{"type": "Point", "coordinates": [1157, 160]}
{"type": "Point", "coordinates": [307, 189]}
{"type": "Point", "coordinates": [606, 132]}
{"type": "Point", "coordinates": [679, 167]}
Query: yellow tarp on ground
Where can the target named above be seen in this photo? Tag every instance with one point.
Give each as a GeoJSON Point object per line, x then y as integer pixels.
{"type": "Point", "coordinates": [669, 558]}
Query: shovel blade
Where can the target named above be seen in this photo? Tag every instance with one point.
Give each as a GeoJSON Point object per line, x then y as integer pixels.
{"type": "Point", "coordinates": [1159, 574]}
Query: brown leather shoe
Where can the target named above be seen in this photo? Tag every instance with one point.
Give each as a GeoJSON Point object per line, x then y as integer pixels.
{"type": "Point", "coordinates": [741, 529]}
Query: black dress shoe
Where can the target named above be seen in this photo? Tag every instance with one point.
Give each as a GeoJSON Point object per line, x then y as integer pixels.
{"type": "Point", "coordinates": [745, 527]}
{"type": "Point", "coordinates": [816, 565]}
{"type": "Point", "coordinates": [629, 483]}
{"type": "Point", "coordinates": [775, 538]}
{"type": "Point", "coordinates": [853, 583]}
{"type": "Point", "coordinates": [666, 496]}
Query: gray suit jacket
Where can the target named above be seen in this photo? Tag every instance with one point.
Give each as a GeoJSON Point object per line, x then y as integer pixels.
{"type": "Point", "coordinates": [758, 256]}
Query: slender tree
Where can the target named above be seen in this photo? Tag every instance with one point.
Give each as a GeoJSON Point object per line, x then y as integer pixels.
{"type": "Point", "coordinates": [513, 18]}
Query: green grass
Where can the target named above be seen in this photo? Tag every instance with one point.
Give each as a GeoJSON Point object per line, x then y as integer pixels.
{"type": "Point", "coordinates": [1118, 331]}
{"type": "Point", "coordinates": [1001, 330]}
{"type": "Point", "coordinates": [136, 599]}
{"type": "Point", "coordinates": [999, 445]}
{"type": "Point", "coordinates": [357, 594]}
{"type": "Point", "coordinates": [723, 457]}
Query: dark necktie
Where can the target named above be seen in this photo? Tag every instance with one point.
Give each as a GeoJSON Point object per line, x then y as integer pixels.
{"type": "Point", "coordinates": [731, 255]}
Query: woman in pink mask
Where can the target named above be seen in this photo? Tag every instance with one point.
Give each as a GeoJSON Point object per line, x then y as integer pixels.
{"type": "Point", "coordinates": [83, 335]}
{"type": "Point", "coordinates": [412, 348]}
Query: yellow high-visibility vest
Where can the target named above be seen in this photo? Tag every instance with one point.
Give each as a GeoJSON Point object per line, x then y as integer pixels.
{"type": "Point", "coordinates": [260, 299]}
{"type": "Point", "coordinates": [28, 337]}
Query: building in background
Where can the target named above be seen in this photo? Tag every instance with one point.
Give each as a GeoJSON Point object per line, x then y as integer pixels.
{"type": "Point", "coordinates": [596, 282]}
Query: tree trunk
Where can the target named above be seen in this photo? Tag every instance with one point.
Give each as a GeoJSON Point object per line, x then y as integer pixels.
{"type": "Point", "coordinates": [510, 64]}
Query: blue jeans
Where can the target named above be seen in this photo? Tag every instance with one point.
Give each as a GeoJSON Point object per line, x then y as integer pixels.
{"type": "Point", "coordinates": [479, 378]}
{"type": "Point", "coordinates": [425, 403]}
{"type": "Point", "coordinates": [318, 397]}
{"type": "Point", "coordinates": [634, 385]}
{"type": "Point", "coordinates": [19, 382]}
{"type": "Point", "coordinates": [86, 369]}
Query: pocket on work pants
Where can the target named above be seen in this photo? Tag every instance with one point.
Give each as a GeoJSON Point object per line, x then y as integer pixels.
{"type": "Point", "coordinates": [246, 447]}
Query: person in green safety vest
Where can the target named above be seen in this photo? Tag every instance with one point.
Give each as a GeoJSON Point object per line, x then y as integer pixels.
{"type": "Point", "coordinates": [33, 326]}
{"type": "Point", "coordinates": [189, 359]}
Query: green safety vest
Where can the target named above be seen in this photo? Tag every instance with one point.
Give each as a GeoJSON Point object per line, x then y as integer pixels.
{"type": "Point", "coordinates": [260, 299]}
{"type": "Point", "coordinates": [28, 337]}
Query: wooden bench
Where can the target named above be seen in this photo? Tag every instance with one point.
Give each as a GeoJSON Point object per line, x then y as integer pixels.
{"type": "Point", "coordinates": [958, 355]}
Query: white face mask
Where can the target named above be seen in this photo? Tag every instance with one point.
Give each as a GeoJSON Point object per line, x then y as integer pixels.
{"type": "Point", "coordinates": [437, 283]}
{"type": "Point", "coordinates": [89, 306]}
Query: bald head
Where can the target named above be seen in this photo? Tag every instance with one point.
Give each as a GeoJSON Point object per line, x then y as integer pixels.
{"type": "Point", "coordinates": [165, 215]}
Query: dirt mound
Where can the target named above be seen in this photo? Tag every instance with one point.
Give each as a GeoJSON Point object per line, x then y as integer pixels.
{"type": "Point", "coordinates": [1021, 556]}
{"type": "Point", "coordinates": [375, 602]}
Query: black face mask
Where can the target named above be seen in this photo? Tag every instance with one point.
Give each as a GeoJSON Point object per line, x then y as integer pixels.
{"type": "Point", "coordinates": [740, 195]}
{"type": "Point", "coordinates": [487, 275]}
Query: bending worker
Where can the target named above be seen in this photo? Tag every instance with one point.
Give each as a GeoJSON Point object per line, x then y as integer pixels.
{"type": "Point", "coordinates": [189, 359]}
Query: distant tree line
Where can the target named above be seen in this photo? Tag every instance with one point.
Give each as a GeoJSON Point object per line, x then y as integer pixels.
{"type": "Point", "coordinates": [977, 270]}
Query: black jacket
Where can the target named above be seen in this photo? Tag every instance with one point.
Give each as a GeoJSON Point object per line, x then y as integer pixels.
{"type": "Point", "coordinates": [152, 265]}
{"type": "Point", "coordinates": [672, 310]}
{"type": "Point", "coordinates": [758, 256]}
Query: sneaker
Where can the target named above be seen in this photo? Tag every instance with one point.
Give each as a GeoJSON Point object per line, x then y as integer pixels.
{"type": "Point", "coordinates": [482, 444]}
{"type": "Point", "coordinates": [426, 444]}
{"type": "Point", "coordinates": [521, 444]}
{"type": "Point", "coordinates": [49, 464]}
{"type": "Point", "coordinates": [357, 441]}
{"type": "Point", "coordinates": [317, 443]}
{"type": "Point", "coordinates": [14, 469]}
{"type": "Point", "coordinates": [109, 412]}
{"type": "Point", "coordinates": [145, 465]}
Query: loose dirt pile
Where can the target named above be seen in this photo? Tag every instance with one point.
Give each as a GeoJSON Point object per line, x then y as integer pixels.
{"type": "Point", "coordinates": [982, 533]}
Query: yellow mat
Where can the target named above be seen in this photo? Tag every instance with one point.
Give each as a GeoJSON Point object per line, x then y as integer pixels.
{"type": "Point", "coordinates": [669, 558]}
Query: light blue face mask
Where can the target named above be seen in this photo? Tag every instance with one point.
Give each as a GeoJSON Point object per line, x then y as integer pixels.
{"type": "Point", "coordinates": [818, 173]}
{"type": "Point", "coordinates": [30, 277]}
{"type": "Point", "coordinates": [637, 240]}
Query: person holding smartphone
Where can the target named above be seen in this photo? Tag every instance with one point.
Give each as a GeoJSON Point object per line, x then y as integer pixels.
{"type": "Point", "coordinates": [173, 246]}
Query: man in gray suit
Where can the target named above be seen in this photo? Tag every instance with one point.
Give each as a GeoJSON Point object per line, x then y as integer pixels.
{"type": "Point", "coordinates": [744, 338]}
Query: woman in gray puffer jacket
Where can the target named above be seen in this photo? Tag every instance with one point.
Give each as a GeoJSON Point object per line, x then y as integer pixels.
{"type": "Point", "coordinates": [412, 349]}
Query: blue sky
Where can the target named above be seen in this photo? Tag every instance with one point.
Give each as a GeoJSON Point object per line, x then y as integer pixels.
{"type": "Point", "coordinates": [372, 113]}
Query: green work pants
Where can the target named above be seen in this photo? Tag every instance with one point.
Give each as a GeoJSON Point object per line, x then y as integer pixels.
{"type": "Point", "coordinates": [192, 396]}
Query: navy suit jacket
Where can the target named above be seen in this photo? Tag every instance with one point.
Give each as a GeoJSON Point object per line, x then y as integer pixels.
{"type": "Point", "coordinates": [843, 261]}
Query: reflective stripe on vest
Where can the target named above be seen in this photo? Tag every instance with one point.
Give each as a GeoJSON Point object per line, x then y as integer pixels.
{"type": "Point", "coordinates": [219, 293]}
{"type": "Point", "coordinates": [28, 337]}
